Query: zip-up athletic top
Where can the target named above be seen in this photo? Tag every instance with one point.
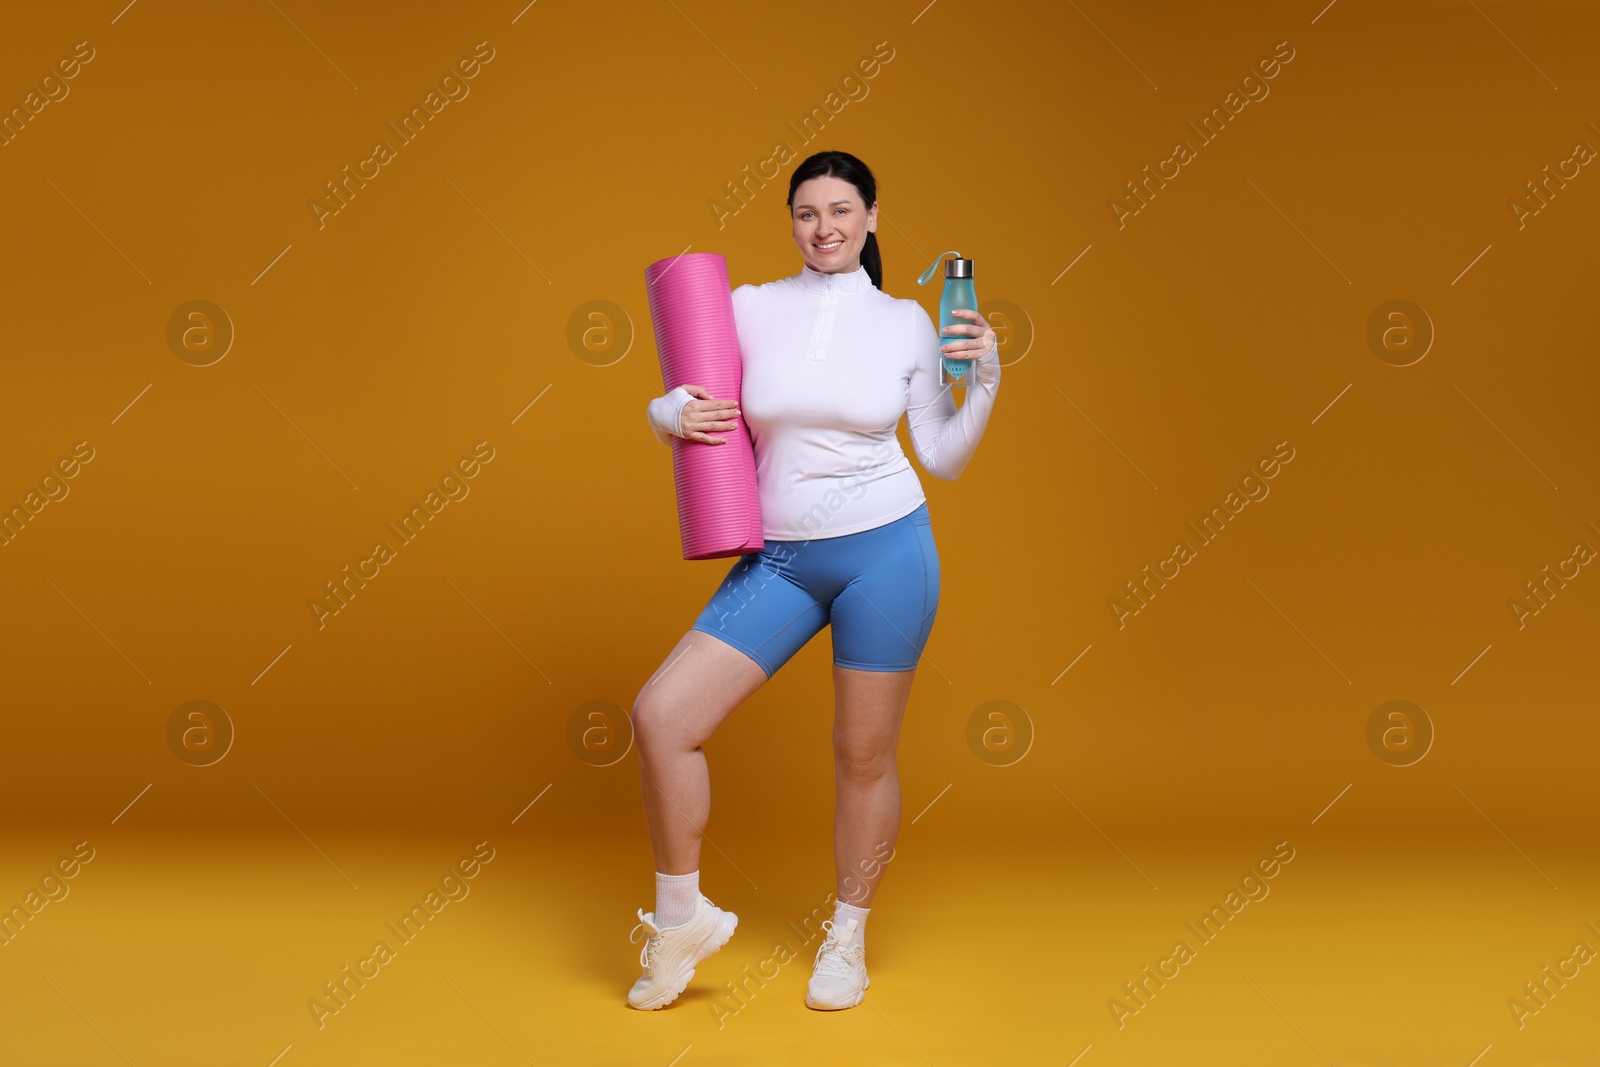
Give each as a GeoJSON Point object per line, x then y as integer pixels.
{"type": "Point", "coordinates": [830, 363]}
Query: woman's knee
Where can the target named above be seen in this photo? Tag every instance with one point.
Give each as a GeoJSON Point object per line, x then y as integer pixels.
{"type": "Point", "coordinates": [654, 720]}
{"type": "Point", "coordinates": [682, 705]}
{"type": "Point", "coordinates": [662, 721]}
{"type": "Point", "coordinates": [864, 762]}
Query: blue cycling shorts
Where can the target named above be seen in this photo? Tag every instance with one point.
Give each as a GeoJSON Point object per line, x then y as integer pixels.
{"type": "Point", "coordinates": [879, 589]}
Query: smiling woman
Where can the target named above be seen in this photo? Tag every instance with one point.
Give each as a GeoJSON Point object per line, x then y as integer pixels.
{"type": "Point", "coordinates": [830, 363]}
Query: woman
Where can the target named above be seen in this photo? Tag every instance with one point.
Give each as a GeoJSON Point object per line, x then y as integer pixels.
{"type": "Point", "coordinates": [830, 363]}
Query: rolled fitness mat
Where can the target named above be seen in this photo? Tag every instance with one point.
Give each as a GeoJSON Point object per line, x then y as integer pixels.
{"type": "Point", "coordinates": [719, 512]}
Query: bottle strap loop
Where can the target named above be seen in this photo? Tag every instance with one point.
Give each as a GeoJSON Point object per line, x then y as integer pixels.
{"type": "Point", "coordinates": [928, 274]}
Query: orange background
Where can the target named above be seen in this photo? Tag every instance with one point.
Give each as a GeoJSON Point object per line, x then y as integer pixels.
{"type": "Point", "coordinates": [1164, 357]}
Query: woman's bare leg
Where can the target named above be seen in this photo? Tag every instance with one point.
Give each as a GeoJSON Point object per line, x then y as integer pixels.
{"type": "Point", "coordinates": [696, 687]}
{"type": "Point", "coordinates": [869, 706]}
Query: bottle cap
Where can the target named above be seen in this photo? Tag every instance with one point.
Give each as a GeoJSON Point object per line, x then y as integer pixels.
{"type": "Point", "coordinates": [958, 268]}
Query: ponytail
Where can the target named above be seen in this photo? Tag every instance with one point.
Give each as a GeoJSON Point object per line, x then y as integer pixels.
{"type": "Point", "coordinates": [872, 260]}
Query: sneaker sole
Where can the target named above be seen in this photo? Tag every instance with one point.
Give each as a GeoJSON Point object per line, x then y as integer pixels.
{"type": "Point", "coordinates": [838, 1007]}
{"type": "Point", "coordinates": [714, 940]}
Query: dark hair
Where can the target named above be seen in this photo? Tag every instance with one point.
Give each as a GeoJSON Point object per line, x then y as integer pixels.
{"type": "Point", "coordinates": [835, 164]}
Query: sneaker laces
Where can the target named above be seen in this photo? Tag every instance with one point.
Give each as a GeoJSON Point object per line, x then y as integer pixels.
{"type": "Point", "coordinates": [647, 954]}
{"type": "Point", "coordinates": [835, 957]}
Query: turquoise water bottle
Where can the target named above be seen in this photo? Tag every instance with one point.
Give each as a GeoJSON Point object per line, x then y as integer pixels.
{"type": "Point", "coordinates": [958, 293]}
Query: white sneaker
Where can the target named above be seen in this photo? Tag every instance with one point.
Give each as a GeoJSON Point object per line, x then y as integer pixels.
{"type": "Point", "coordinates": [839, 979]}
{"type": "Point", "coordinates": [670, 953]}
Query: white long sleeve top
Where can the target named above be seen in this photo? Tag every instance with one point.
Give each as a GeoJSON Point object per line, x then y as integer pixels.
{"type": "Point", "coordinates": [830, 363]}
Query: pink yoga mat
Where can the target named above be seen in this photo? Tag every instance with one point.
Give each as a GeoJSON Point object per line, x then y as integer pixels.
{"type": "Point", "coordinates": [719, 513]}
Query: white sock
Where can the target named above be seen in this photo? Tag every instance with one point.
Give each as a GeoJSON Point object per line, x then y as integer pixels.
{"type": "Point", "coordinates": [675, 897]}
{"type": "Point", "coordinates": [843, 913]}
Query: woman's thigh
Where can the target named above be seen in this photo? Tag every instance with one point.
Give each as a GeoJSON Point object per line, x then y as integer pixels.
{"type": "Point", "coordinates": [883, 616]}
{"type": "Point", "coordinates": [696, 687]}
{"type": "Point", "coordinates": [763, 607]}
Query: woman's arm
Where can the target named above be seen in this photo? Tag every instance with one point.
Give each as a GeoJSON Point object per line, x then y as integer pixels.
{"type": "Point", "coordinates": [665, 413]}
{"type": "Point", "coordinates": [945, 436]}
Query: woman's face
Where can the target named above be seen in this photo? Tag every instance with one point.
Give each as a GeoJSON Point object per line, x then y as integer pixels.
{"type": "Point", "coordinates": [831, 224]}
